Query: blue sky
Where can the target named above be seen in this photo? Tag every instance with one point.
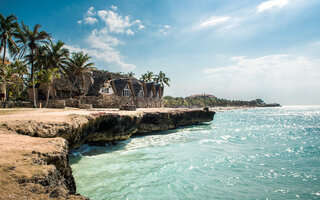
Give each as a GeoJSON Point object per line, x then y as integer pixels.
{"type": "Point", "coordinates": [244, 49]}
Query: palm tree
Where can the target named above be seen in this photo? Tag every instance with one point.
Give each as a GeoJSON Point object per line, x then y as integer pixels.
{"type": "Point", "coordinates": [21, 69]}
{"type": "Point", "coordinates": [149, 76]}
{"type": "Point", "coordinates": [29, 40]}
{"type": "Point", "coordinates": [46, 77]}
{"type": "Point", "coordinates": [130, 75]}
{"type": "Point", "coordinates": [57, 55]}
{"type": "Point", "coordinates": [8, 28]}
{"type": "Point", "coordinates": [8, 77]}
{"type": "Point", "coordinates": [143, 77]}
{"type": "Point", "coordinates": [78, 68]}
{"type": "Point", "coordinates": [40, 60]}
{"type": "Point", "coordinates": [162, 79]}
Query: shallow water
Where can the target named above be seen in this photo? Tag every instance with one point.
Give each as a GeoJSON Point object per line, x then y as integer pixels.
{"type": "Point", "coordinates": [267, 153]}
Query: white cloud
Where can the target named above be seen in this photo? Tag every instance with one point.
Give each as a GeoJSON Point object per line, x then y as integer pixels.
{"type": "Point", "coordinates": [100, 39]}
{"type": "Point", "coordinates": [117, 23]}
{"type": "Point", "coordinates": [283, 76]}
{"type": "Point", "coordinates": [110, 55]}
{"type": "Point", "coordinates": [102, 46]}
{"type": "Point", "coordinates": [129, 32]}
{"type": "Point", "coordinates": [165, 29]}
{"type": "Point", "coordinates": [273, 66]}
{"type": "Point", "coordinates": [214, 21]}
{"type": "Point", "coordinates": [90, 11]}
{"type": "Point", "coordinates": [141, 26]}
{"type": "Point", "coordinates": [102, 43]}
{"type": "Point", "coordinates": [267, 5]}
{"type": "Point", "coordinates": [90, 20]}
{"type": "Point", "coordinates": [115, 8]}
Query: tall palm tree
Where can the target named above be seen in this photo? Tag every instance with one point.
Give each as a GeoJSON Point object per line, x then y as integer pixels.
{"type": "Point", "coordinates": [78, 68]}
{"type": "Point", "coordinates": [143, 77]}
{"type": "Point", "coordinates": [21, 69]}
{"type": "Point", "coordinates": [162, 79]}
{"type": "Point", "coordinates": [46, 77]}
{"type": "Point", "coordinates": [57, 55]}
{"type": "Point", "coordinates": [8, 77]}
{"type": "Point", "coordinates": [130, 74]}
{"type": "Point", "coordinates": [8, 28]}
{"type": "Point", "coordinates": [147, 77]}
{"type": "Point", "coordinates": [40, 59]}
{"type": "Point", "coordinates": [29, 40]}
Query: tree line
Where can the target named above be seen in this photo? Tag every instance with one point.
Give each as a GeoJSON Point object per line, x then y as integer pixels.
{"type": "Point", "coordinates": [198, 102]}
{"type": "Point", "coordinates": [37, 59]}
{"type": "Point", "coordinates": [149, 76]}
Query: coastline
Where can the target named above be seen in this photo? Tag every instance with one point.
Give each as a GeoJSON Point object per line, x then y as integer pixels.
{"type": "Point", "coordinates": [35, 143]}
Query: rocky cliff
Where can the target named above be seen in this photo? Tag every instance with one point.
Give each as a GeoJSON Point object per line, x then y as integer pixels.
{"type": "Point", "coordinates": [107, 127]}
{"type": "Point", "coordinates": [35, 168]}
{"type": "Point", "coordinates": [38, 149]}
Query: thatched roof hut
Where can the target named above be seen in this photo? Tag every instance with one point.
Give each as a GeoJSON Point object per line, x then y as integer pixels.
{"type": "Point", "coordinates": [94, 83]}
{"type": "Point", "coordinates": [150, 89]}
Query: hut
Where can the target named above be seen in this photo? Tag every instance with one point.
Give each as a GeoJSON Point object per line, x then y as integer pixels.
{"type": "Point", "coordinates": [101, 84]}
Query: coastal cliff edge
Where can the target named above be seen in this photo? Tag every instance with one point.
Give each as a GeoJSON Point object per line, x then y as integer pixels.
{"type": "Point", "coordinates": [34, 162]}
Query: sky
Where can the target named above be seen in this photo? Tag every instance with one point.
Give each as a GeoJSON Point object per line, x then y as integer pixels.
{"type": "Point", "coordinates": [239, 50]}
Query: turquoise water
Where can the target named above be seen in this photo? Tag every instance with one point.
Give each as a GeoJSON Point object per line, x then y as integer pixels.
{"type": "Point", "coordinates": [271, 153]}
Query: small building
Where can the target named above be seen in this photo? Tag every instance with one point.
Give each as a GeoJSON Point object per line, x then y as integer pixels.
{"type": "Point", "coordinates": [102, 87]}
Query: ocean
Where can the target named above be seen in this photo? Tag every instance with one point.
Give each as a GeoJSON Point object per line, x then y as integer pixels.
{"type": "Point", "coordinates": [263, 153]}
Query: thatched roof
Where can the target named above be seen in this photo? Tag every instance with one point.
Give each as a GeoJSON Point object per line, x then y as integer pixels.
{"type": "Point", "coordinates": [136, 87]}
{"type": "Point", "coordinates": [120, 84]}
{"type": "Point", "coordinates": [99, 77]}
{"type": "Point", "coordinates": [157, 88]}
{"type": "Point", "coordinates": [64, 84]}
{"type": "Point", "coordinates": [149, 87]}
{"type": "Point", "coordinates": [98, 83]}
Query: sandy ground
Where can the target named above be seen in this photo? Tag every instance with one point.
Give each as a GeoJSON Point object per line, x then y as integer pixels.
{"type": "Point", "coordinates": [21, 167]}
{"type": "Point", "coordinates": [63, 115]}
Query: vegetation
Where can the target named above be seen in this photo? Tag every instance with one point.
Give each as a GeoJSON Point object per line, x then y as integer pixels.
{"type": "Point", "coordinates": [46, 77]}
{"type": "Point", "coordinates": [30, 41]}
{"type": "Point", "coordinates": [160, 78]}
{"type": "Point", "coordinates": [39, 60]}
{"type": "Point", "coordinates": [79, 68]}
{"type": "Point", "coordinates": [8, 28]}
{"type": "Point", "coordinates": [33, 50]}
{"type": "Point", "coordinates": [8, 77]}
{"type": "Point", "coordinates": [198, 102]}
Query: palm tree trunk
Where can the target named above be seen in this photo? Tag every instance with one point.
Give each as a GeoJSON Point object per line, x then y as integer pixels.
{"type": "Point", "coordinates": [6, 97]}
{"type": "Point", "coordinates": [73, 86]}
{"type": "Point", "coordinates": [47, 100]}
{"type": "Point", "coordinates": [32, 78]}
{"type": "Point", "coordinates": [4, 51]}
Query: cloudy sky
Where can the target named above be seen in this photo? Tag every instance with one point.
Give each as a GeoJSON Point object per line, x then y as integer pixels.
{"type": "Point", "coordinates": [244, 49]}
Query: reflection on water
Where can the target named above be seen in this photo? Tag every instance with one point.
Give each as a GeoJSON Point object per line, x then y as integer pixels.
{"type": "Point", "coordinates": [250, 154]}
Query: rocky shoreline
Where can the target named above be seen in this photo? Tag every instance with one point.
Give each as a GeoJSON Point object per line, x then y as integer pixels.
{"type": "Point", "coordinates": [38, 148]}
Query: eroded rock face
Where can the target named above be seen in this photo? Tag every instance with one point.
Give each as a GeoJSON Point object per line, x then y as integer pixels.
{"type": "Point", "coordinates": [35, 168]}
{"type": "Point", "coordinates": [151, 122]}
{"type": "Point", "coordinates": [106, 127]}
